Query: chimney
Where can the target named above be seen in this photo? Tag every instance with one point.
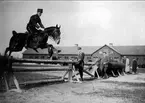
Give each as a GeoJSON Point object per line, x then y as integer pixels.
{"type": "Point", "coordinates": [111, 44]}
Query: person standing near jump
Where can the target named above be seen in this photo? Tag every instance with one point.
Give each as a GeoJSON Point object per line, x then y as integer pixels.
{"type": "Point", "coordinates": [127, 66]}
{"type": "Point", "coordinates": [134, 65]}
{"type": "Point", "coordinates": [103, 62]}
{"type": "Point", "coordinates": [81, 56]}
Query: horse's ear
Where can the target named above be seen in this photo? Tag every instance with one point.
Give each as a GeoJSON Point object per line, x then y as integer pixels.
{"type": "Point", "coordinates": [59, 26]}
{"type": "Point", "coordinates": [56, 25]}
{"type": "Point", "coordinates": [14, 32]}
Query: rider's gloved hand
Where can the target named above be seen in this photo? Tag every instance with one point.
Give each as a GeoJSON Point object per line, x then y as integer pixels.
{"type": "Point", "coordinates": [37, 26]}
{"type": "Point", "coordinates": [42, 29]}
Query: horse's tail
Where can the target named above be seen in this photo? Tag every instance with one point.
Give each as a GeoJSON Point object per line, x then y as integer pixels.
{"type": "Point", "coordinates": [14, 32]}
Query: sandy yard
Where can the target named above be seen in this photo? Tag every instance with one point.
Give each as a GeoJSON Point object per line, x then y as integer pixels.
{"type": "Point", "coordinates": [123, 89]}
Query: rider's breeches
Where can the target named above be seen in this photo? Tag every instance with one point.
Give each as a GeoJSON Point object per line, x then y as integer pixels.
{"type": "Point", "coordinates": [31, 29]}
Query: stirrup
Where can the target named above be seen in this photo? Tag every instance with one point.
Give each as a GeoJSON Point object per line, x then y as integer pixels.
{"type": "Point", "coordinates": [26, 46]}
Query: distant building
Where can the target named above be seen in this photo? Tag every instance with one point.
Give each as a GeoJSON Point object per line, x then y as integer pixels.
{"type": "Point", "coordinates": [110, 51]}
{"type": "Point", "coordinates": [92, 52]}
{"type": "Point", "coordinates": [67, 52]}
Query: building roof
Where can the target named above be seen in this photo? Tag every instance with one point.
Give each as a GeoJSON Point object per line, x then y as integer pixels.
{"type": "Point", "coordinates": [123, 50]}
{"type": "Point", "coordinates": [130, 50]}
{"type": "Point", "coordinates": [110, 47]}
{"type": "Point", "coordinates": [73, 49]}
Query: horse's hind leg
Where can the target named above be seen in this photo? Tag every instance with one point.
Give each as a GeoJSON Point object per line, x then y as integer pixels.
{"type": "Point", "coordinates": [10, 53]}
{"type": "Point", "coordinates": [113, 73]}
{"type": "Point", "coordinates": [6, 51]}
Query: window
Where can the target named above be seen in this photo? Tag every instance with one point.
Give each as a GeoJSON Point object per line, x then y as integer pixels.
{"type": "Point", "coordinates": [66, 57]}
{"type": "Point", "coordinates": [89, 57]}
{"type": "Point", "coordinates": [42, 57]}
{"type": "Point", "coordinates": [116, 57]}
{"type": "Point", "coordinates": [100, 52]}
{"type": "Point", "coordinates": [36, 57]}
{"type": "Point", "coordinates": [30, 57]}
{"type": "Point", "coordinates": [95, 57]}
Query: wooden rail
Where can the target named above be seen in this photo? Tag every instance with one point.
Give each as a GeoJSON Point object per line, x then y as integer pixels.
{"type": "Point", "coordinates": [39, 69]}
{"type": "Point", "coordinates": [43, 61]}
{"type": "Point", "coordinates": [24, 68]}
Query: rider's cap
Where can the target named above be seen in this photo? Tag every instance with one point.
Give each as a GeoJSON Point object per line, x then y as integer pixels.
{"type": "Point", "coordinates": [40, 10]}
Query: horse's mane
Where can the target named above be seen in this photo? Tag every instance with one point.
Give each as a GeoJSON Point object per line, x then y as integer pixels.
{"type": "Point", "coordinates": [50, 30]}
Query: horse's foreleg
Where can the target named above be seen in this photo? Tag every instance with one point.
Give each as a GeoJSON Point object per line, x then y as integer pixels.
{"type": "Point", "coordinates": [113, 73]}
{"type": "Point", "coordinates": [50, 51]}
{"type": "Point", "coordinates": [118, 73]}
{"type": "Point", "coordinates": [123, 71]}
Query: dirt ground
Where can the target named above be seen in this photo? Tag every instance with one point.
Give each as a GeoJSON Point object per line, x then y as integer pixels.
{"type": "Point", "coordinates": [124, 89]}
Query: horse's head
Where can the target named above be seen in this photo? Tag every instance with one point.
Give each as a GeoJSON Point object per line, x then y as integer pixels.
{"type": "Point", "coordinates": [54, 32]}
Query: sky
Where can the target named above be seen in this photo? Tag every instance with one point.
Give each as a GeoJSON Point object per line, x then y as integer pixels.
{"type": "Point", "coordinates": [87, 23]}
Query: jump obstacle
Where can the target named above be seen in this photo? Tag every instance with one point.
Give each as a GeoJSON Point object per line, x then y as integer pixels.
{"type": "Point", "coordinates": [68, 69]}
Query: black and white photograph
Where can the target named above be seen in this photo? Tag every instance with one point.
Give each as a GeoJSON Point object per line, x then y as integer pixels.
{"type": "Point", "coordinates": [75, 51]}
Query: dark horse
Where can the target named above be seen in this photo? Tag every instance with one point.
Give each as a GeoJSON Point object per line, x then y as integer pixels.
{"type": "Point", "coordinates": [19, 40]}
{"type": "Point", "coordinates": [113, 69]}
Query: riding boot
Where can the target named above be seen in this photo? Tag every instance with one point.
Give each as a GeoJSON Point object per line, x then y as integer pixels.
{"type": "Point", "coordinates": [26, 45]}
{"type": "Point", "coordinates": [27, 42]}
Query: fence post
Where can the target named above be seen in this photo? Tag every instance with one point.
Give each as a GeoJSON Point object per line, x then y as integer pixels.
{"type": "Point", "coordinates": [70, 73]}
{"type": "Point", "coordinates": [11, 75]}
{"type": "Point", "coordinates": [5, 80]}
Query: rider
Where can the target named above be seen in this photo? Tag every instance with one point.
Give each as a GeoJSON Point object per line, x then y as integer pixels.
{"type": "Point", "coordinates": [35, 23]}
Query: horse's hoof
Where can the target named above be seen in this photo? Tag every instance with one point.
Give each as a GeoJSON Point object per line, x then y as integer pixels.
{"type": "Point", "coordinates": [16, 90]}
{"type": "Point", "coordinates": [26, 47]}
{"type": "Point", "coordinates": [58, 51]}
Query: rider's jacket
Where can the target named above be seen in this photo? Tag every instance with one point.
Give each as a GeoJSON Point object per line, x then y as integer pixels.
{"type": "Point", "coordinates": [34, 23]}
{"type": "Point", "coordinates": [34, 19]}
{"type": "Point", "coordinates": [81, 57]}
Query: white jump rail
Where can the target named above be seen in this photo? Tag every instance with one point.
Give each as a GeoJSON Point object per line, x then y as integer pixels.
{"type": "Point", "coordinates": [68, 68]}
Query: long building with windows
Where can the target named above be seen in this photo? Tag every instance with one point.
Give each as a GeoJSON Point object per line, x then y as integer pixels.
{"type": "Point", "coordinates": [92, 52]}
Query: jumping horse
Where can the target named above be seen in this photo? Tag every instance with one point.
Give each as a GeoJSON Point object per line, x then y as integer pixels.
{"type": "Point", "coordinates": [19, 40]}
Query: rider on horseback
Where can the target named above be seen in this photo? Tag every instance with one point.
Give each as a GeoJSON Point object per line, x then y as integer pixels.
{"type": "Point", "coordinates": [34, 24]}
